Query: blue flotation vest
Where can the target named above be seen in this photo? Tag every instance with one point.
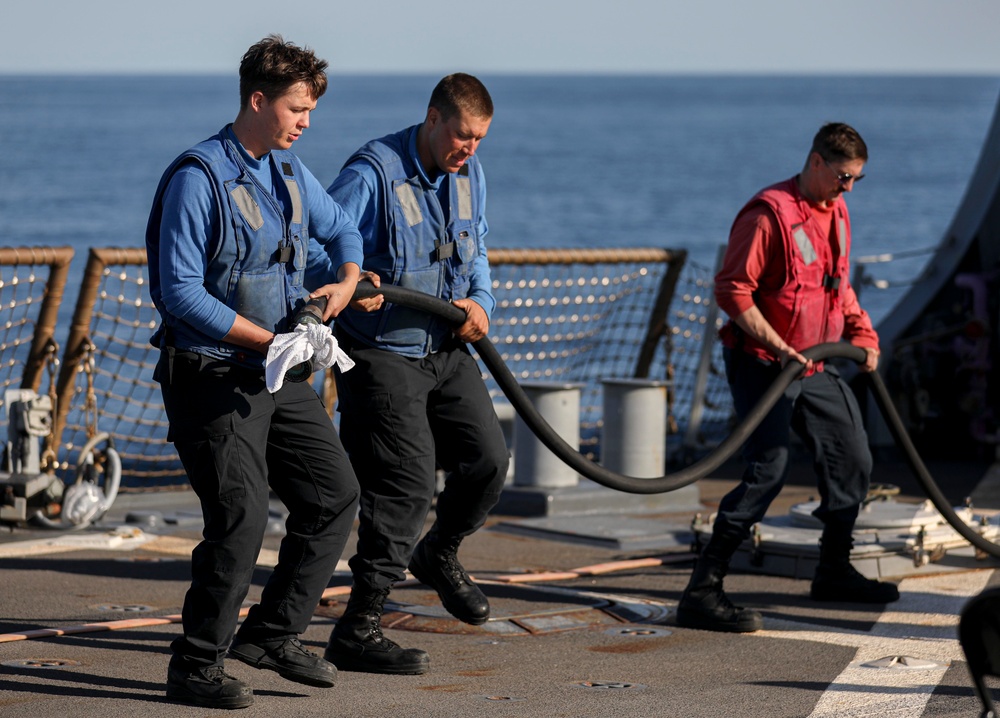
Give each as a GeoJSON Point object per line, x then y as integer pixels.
{"type": "Point", "coordinates": [257, 263]}
{"type": "Point", "coordinates": [427, 247]}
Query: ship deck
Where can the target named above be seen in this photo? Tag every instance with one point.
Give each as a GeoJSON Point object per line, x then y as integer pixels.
{"type": "Point", "coordinates": [579, 628]}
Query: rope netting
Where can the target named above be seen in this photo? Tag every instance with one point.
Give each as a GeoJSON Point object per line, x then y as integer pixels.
{"type": "Point", "coordinates": [31, 289]}
{"type": "Point", "coordinates": [114, 390]}
{"type": "Point", "coordinates": [562, 316]}
{"type": "Point", "coordinates": [22, 288]}
{"type": "Point", "coordinates": [581, 317]}
{"type": "Point", "coordinates": [702, 406]}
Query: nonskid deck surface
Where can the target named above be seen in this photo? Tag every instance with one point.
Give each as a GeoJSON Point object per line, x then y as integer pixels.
{"type": "Point", "coordinates": [578, 630]}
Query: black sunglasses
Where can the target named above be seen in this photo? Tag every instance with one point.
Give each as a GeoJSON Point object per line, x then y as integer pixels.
{"type": "Point", "coordinates": [846, 177]}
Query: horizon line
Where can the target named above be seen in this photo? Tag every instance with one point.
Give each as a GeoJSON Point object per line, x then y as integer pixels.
{"type": "Point", "coordinates": [985, 74]}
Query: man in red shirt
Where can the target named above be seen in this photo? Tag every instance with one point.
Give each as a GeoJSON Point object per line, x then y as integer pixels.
{"type": "Point", "coordinates": [785, 285]}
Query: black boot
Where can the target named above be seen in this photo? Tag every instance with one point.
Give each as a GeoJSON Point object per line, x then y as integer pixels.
{"type": "Point", "coordinates": [288, 658]}
{"type": "Point", "coordinates": [210, 687]}
{"type": "Point", "coordinates": [704, 604]}
{"type": "Point", "coordinates": [435, 564]}
{"type": "Point", "coordinates": [837, 580]}
{"type": "Point", "coordinates": [358, 644]}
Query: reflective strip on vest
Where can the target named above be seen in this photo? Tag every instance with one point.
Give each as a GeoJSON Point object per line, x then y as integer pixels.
{"type": "Point", "coordinates": [842, 235]}
{"type": "Point", "coordinates": [464, 191]}
{"type": "Point", "coordinates": [409, 203]}
{"type": "Point", "coordinates": [805, 246]}
{"type": "Point", "coordinates": [248, 207]}
{"type": "Point", "coordinates": [293, 193]}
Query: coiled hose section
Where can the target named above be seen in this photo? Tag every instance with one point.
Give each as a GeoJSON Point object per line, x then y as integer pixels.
{"type": "Point", "coordinates": [704, 466]}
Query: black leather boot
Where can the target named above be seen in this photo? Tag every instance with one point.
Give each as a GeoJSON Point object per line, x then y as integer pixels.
{"type": "Point", "coordinates": [435, 564]}
{"type": "Point", "coordinates": [358, 644]}
{"type": "Point", "coordinates": [287, 657]}
{"type": "Point", "coordinates": [704, 605]}
{"type": "Point", "coordinates": [837, 580]}
{"type": "Point", "coordinates": [209, 687]}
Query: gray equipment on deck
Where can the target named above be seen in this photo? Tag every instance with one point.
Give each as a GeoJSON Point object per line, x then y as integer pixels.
{"type": "Point", "coordinates": [29, 495]}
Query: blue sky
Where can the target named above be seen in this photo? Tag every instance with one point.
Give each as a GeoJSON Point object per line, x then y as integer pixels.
{"type": "Point", "coordinates": [659, 36]}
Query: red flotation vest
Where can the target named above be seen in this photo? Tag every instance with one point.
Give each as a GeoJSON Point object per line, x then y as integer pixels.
{"type": "Point", "coordinates": [807, 309]}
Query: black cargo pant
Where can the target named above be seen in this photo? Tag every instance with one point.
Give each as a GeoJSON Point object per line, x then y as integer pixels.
{"type": "Point", "coordinates": [822, 411]}
{"type": "Point", "coordinates": [402, 417]}
{"type": "Point", "coordinates": [237, 441]}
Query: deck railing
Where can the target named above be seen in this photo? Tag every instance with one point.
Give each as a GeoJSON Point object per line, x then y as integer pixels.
{"type": "Point", "coordinates": [563, 315]}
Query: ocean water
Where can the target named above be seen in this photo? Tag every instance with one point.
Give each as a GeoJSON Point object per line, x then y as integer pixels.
{"type": "Point", "coordinates": [570, 161]}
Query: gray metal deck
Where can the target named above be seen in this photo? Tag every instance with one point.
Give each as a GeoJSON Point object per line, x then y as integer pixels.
{"type": "Point", "coordinates": [598, 642]}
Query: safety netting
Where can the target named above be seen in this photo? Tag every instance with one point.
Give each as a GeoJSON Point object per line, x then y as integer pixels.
{"type": "Point", "coordinates": [577, 316]}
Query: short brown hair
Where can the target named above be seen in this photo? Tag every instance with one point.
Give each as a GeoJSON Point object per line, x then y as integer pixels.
{"type": "Point", "coordinates": [461, 92]}
{"type": "Point", "coordinates": [273, 65]}
{"type": "Point", "coordinates": [837, 141]}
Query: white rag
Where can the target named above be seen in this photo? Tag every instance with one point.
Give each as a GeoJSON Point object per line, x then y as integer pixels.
{"type": "Point", "coordinates": [308, 342]}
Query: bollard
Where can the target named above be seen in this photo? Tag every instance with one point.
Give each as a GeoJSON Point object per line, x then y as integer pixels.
{"type": "Point", "coordinates": [634, 436]}
{"type": "Point", "coordinates": [534, 464]}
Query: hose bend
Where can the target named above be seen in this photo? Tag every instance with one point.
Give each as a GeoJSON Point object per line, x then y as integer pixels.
{"type": "Point", "coordinates": [704, 466]}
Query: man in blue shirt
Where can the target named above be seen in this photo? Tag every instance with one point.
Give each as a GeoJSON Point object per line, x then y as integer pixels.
{"type": "Point", "coordinates": [415, 399]}
{"type": "Point", "coordinates": [227, 251]}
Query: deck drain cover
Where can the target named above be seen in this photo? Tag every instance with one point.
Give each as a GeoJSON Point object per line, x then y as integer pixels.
{"type": "Point", "coordinates": [41, 663]}
{"type": "Point", "coordinates": [638, 632]}
{"type": "Point", "coordinates": [124, 608]}
{"type": "Point", "coordinates": [610, 685]}
{"type": "Point", "coordinates": [518, 610]}
{"type": "Point", "coordinates": [905, 663]}
{"type": "Point", "coordinates": [502, 699]}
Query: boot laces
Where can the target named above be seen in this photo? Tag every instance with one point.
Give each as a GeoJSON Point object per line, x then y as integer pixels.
{"type": "Point", "coordinates": [378, 637]}
{"type": "Point", "coordinates": [724, 603]}
{"type": "Point", "coordinates": [216, 674]}
{"type": "Point", "coordinates": [454, 570]}
{"type": "Point", "coordinates": [856, 578]}
{"type": "Point", "coordinates": [375, 624]}
{"type": "Point", "coordinates": [845, 573]}
{"type": "Point", "coordinates": [296, 645]}
{"type": "Point", "coordinates": [716, 600]}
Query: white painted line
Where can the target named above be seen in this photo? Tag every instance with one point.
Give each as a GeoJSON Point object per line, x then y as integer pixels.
{"type": "Point", "coordinates": [922, 624]}
{"type": "Point", "coordinates": [124, 539]}
{"type": "Point", "coordinates": [114, 540]}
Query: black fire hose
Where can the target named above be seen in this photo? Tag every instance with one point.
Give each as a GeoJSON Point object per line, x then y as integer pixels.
{"type": "Point", "coordinates": [703, 467]}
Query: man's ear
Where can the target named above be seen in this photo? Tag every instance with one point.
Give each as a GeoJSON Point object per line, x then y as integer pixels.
{"type": "Point", "coordinates": [256, 101]}
{"type": "Point", "coordinates": [433, 116]}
